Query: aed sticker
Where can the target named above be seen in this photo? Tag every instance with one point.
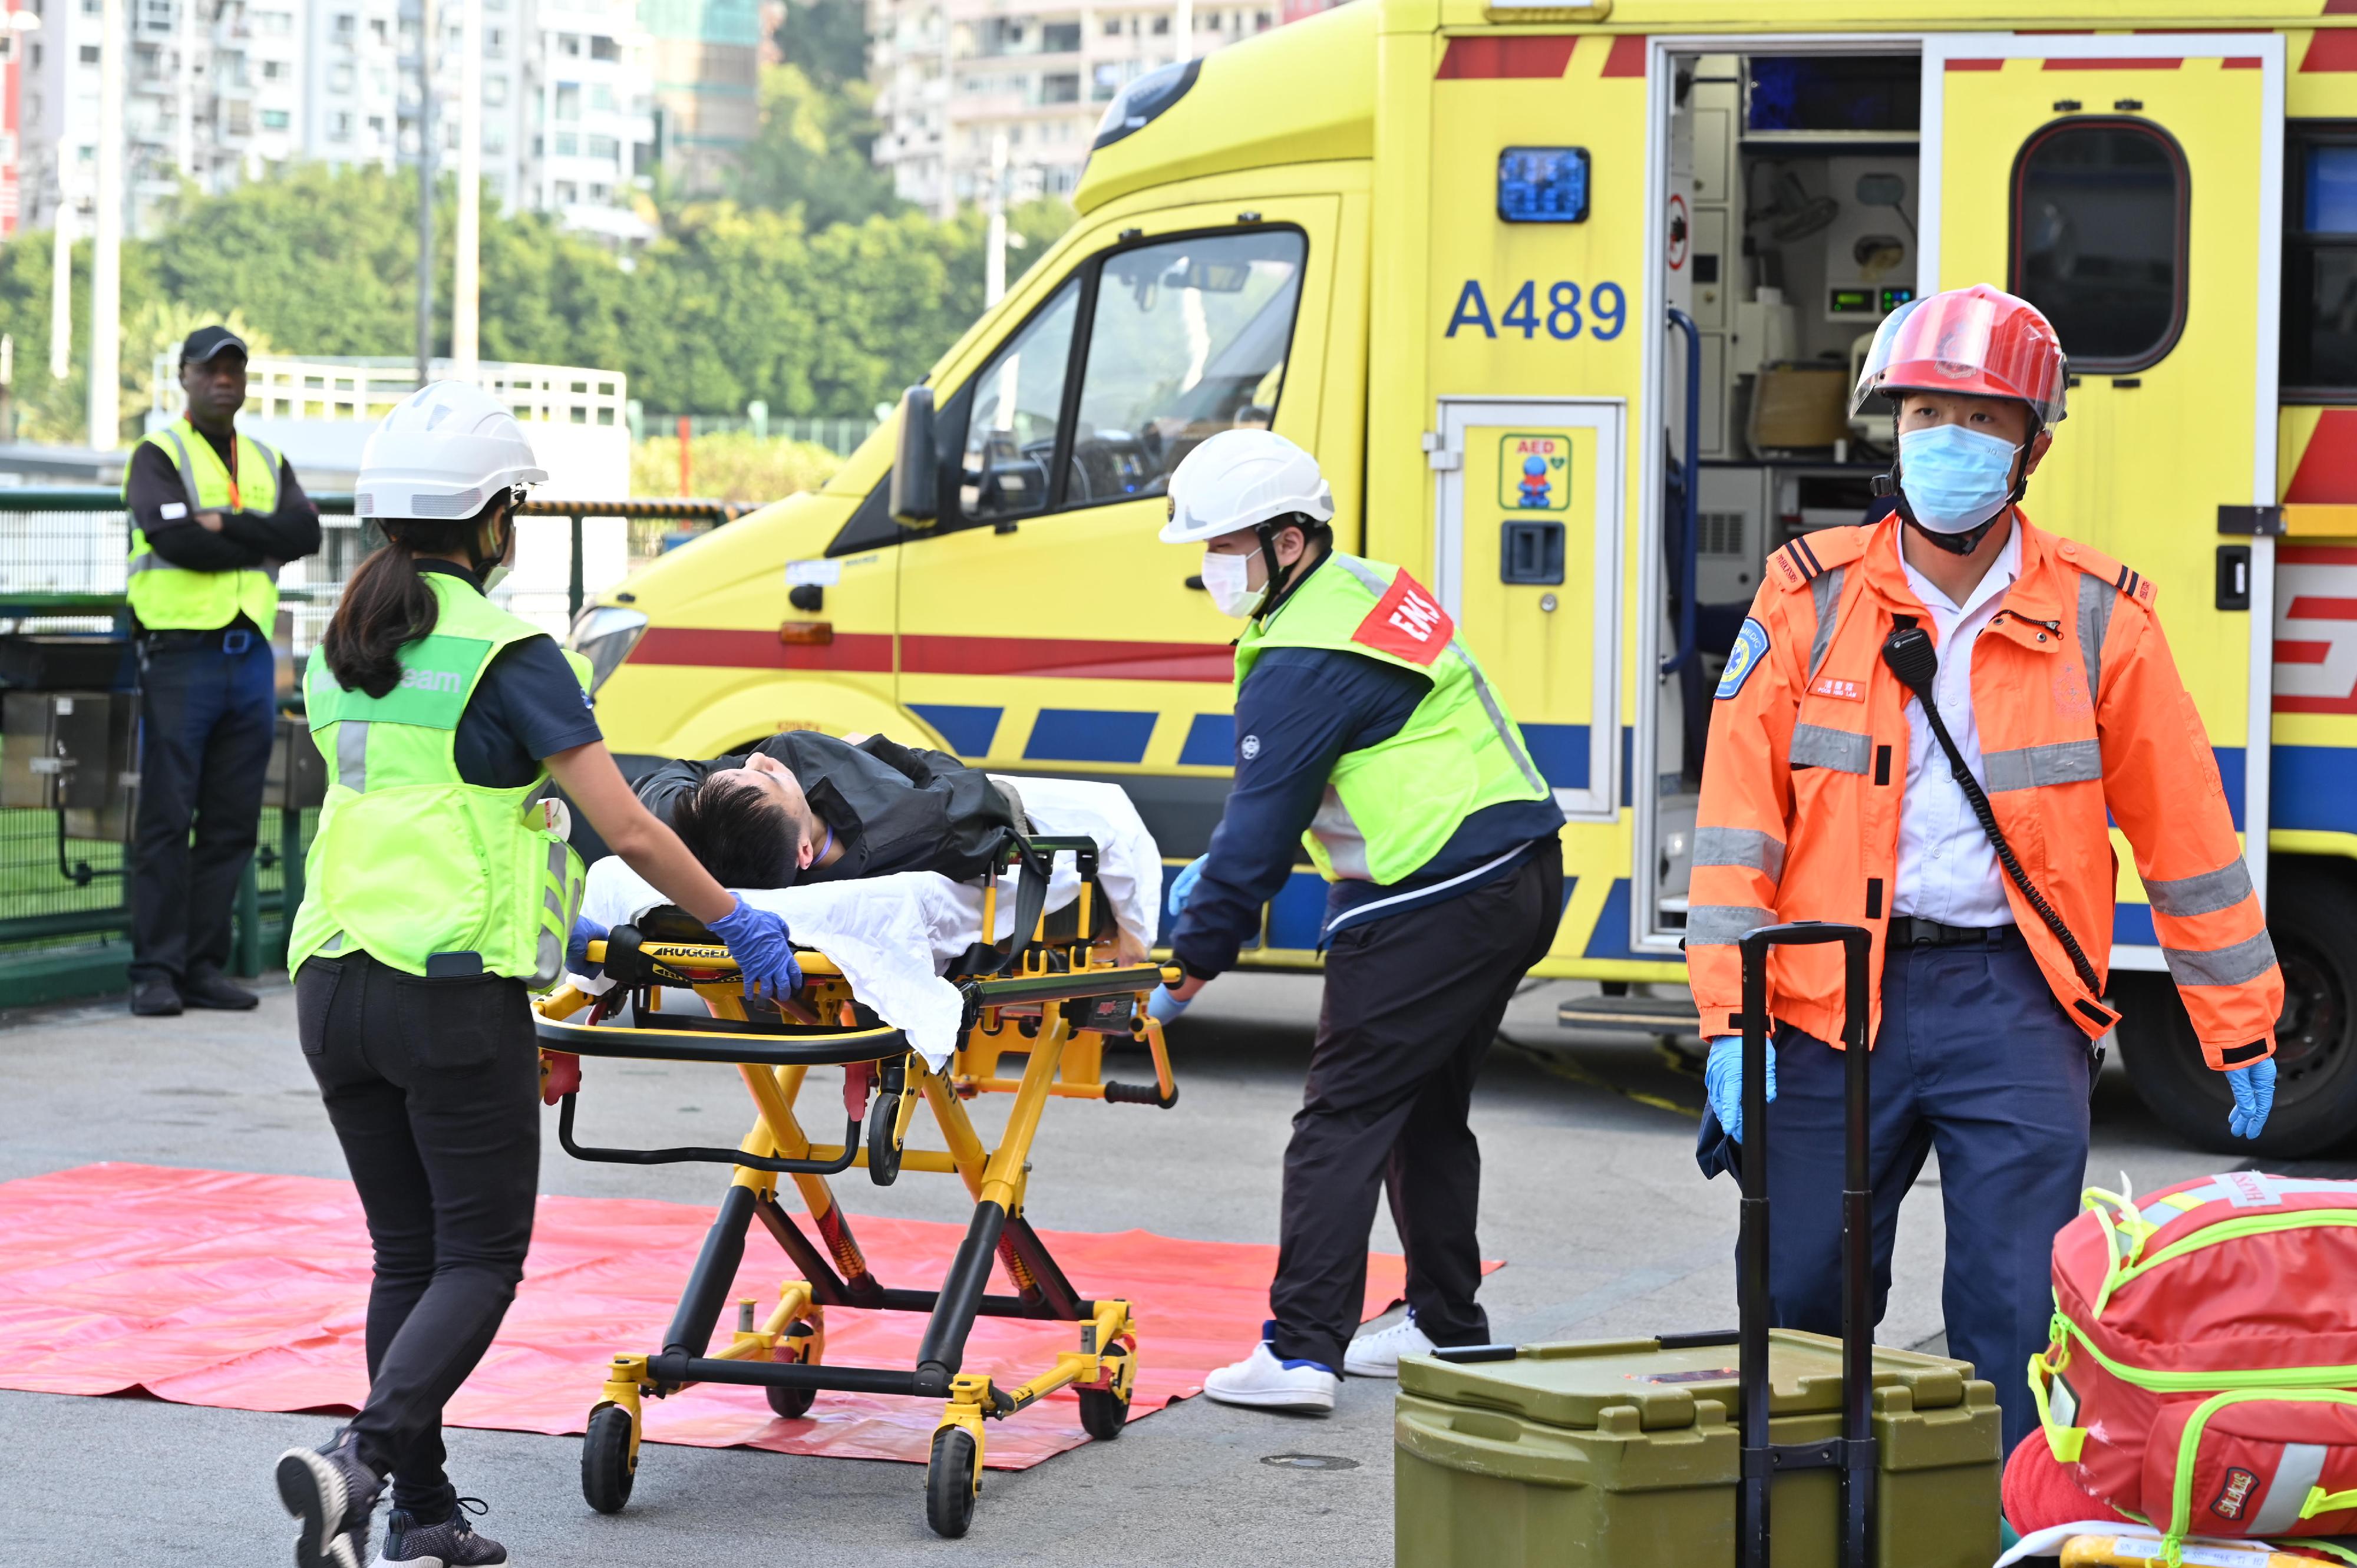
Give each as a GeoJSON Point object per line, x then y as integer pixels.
{"type": "Point", "coordinates": [1750, 647]}
{"type": "Point", "coordinates": [1534, 471]}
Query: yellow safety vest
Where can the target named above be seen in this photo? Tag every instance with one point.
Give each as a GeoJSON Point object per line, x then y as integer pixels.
{"type": "Point", "coordinates": [172, 598]}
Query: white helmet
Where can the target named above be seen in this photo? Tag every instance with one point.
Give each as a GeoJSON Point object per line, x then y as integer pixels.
{"type": "Point", "coordinates": [1240, 479]}
{"type": "Point", "coordinates": [443, 451]}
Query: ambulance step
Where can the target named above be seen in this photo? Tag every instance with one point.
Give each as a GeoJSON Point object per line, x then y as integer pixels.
{"type": "Point", "coordinates": [1631, 1015]}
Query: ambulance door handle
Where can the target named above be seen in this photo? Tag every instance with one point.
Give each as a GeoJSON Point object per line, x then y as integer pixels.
{"type": "Point", "coordinates": [1689, 542]}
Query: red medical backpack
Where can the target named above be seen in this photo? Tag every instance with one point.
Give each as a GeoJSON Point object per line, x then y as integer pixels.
{"type": "Point", "coordinates": [2204, 1368]}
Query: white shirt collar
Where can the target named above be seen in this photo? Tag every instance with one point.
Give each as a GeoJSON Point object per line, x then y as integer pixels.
{"type": "Point", "coordinates": [2000, 576]}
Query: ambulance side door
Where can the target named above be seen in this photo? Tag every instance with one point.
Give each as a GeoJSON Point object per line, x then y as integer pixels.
{"type": "Point", "coordinates": [1043, 627]}
{"type": "Point", "coordinates": [2130, 186]}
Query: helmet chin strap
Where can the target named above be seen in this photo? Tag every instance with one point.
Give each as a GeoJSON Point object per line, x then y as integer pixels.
{"type": "Point", "coordinates": [1967, 541]}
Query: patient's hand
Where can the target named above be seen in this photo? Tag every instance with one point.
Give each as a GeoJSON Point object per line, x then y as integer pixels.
{"type": "Point", "coordinates": [1127, 949]}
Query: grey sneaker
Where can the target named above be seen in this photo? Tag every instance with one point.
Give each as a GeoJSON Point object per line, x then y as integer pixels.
{"type": "Point", "coordinates": [333, 1492]}
{"type": "Point", "coordinates": [453, 1544]}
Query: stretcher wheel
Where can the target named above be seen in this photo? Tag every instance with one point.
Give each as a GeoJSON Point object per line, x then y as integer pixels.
{"type": "Point", "coordinates": [952, 1482]}
{"type": "Point", "coordinates": [1103, 1412]}
{"type": "Point", "coordinates": [607, 1465]}
{"type": "Point", "coordinates": [883, 1154]}
{"type": "Point", "coordinates": [791, 1403]}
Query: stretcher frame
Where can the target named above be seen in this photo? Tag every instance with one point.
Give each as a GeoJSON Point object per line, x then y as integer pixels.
{"type": "Point", "coordinates": [1049, 1001]}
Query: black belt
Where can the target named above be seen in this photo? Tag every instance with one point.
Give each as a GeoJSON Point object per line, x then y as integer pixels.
{"type": "Point", "coordinates": [1907, 931]}
{"type": "Point", "coordinates": [221, 638]}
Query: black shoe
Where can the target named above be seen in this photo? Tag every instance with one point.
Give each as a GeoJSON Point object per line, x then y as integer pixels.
{"type": "Point", "coordinates": [156, 998]}
{"type": "Point", "coordinates": [211, 988]}
{"type": "Point", "coordinates": [333, 1492]}
{"type": "Point", "coordinates": [453, 1544]}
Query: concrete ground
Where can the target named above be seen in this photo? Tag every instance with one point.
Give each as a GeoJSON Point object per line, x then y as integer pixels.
{"type": "Point", "coordinates": [1590, 1195]}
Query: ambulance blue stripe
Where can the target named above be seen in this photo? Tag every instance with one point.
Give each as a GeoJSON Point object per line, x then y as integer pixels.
{"type": "Point", "coordinates": [968, 729]}
{"type": "Point", "coordinates": [2311, 787]}
{"type": "Point", "coordinates": [1089, 735]}
{"type": "Point", "coordinates": [1610, 937]}
{"type": "Point", "coordinates": [2133, 923]}
{"type": "Point", "coordinates": [1561, 753]}
{"type": "Point", "coordinates": [1210, 742]}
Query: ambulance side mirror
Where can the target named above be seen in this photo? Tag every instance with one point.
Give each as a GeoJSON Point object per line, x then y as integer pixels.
{"type": "Point", "coordinates": [915, 495]}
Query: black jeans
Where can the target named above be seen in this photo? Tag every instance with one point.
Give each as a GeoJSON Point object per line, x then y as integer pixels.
{"type": "Point", "coordinates": [1412, 1005]}
{"type": "Point", "coordinates": [434, 1087]}
{"type": "Point", "coordinates": [205, 731]}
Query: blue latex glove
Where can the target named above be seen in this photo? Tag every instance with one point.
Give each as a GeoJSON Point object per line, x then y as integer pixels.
{"type": "Point", "coordinates": [1163, 1005]}
{"type": "Point", "coordinates": [1722, 1080]}
{"type": "Point", "coordinates": [1183, 887]}
{"type": "Point", "coordinates": [576, 948]}
{"type": "Point", "coordinates": [2255, 1096]}
{"type": "Point", "coordinates": [756, 940]}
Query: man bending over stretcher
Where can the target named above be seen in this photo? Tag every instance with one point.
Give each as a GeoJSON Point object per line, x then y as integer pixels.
{"type": "Point", "coordinates": [803, 806]}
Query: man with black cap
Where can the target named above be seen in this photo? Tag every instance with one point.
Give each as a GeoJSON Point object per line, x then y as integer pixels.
{"type": "Point", "coordinates": [214, 514]}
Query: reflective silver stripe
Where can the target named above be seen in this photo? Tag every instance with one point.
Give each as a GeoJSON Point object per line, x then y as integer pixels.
{"type": "Point", "coordinates": [148, 560]}
{"type": "Point", "coordinates": [1825, 589]}
{"type": "Point", "coordinates": [1740, 846]}
{"type": "Point", "coordinates": [2163, 1210]}
{"type": "Point", "coordinates": [269, 458]}
{"type": "Point", "coordinates": [2245, 960]}
{"type": "Point", "coordinates": [1722, 925]}
{"type": "Point", "coordinates": [1508, 735]}
{"type": "Point", "coordinates": [1814, 746]}
{"type": "Point", "coordinates": [2203, 895]}
{"type": "Point", "coordinates": [334, 944]}
{"type": "Point", "coordinates": [351, 755]}
{"type": "Point", "coordinates": [2029, 766]}
{"type": "Point", "coordinates": [1338, 830]}
{"type": "Point", "coordinates": [188, 472]}
{"type": "Point", "coordinates": [2094, 615]}
{"type": "Point", "coordinates": [2295, 1476]}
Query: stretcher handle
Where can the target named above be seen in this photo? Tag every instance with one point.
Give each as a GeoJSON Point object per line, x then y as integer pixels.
{"type": "Point", "coordinates": [716, 957]}
{"type": "Point", "coordinates": [1853, 1453]}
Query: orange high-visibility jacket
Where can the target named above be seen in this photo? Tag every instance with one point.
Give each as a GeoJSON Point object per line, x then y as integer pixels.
{"type": "Point", "coordinates": [2080, 709]}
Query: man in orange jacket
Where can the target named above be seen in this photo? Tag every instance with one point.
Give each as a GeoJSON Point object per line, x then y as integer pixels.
{"type": "Point", "coordinates": [1828, 796]}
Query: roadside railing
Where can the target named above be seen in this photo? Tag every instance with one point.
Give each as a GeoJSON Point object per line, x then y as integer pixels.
{"type": "Point", "coordinates": [69, 706]}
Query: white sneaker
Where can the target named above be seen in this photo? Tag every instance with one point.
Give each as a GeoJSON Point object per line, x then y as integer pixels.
{"type": "Point", "coordinates": [1376, 1353]}
{"type": "Point", "coordinates": [1262, 1381]}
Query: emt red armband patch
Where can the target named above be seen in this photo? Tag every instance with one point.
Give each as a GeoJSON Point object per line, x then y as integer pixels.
{"type": "Point", "coordinates": [1406, 623]}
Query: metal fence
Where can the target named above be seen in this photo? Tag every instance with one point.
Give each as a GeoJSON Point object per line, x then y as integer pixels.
{"type": "Point", "coordinates": [841, 436]}
{"type": "Point", "coordinates": [63, 863]}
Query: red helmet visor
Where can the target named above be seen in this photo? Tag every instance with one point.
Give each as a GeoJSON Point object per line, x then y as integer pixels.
{"type": "Point", "coordinates": [1976, 342]}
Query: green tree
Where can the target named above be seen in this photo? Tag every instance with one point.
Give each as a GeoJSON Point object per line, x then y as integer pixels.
{"type": "Point", "coordinates": [827, 39]}
{"type": "Point", "coordinates": [814, 150]}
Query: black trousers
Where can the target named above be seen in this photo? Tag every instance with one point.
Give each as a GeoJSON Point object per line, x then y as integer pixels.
{"type": "Point", "coordinates": [205, 730]}
{"type": "Point", "coordinates": [434, 1087]}
{"type": "Point", "coordinates": [1412, 1005]}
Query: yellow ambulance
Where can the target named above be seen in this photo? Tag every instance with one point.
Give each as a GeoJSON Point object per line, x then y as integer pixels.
{"type": "Point", "coordinates": [1569, 300]}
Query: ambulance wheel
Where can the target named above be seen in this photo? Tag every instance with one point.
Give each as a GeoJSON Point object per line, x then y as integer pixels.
{"type": "Point", "coordinates": [1105, 1413]}
{"type": "Point", "coordinates": [607, 1465]}
{"type": "Point", "coordinates": [883, 1155]}
{"type": "Point", "coordinates": [953, 1480]}
{"type": "Point", "coordinates": [788, 1402]}
{"type": "Point", "coordinates": [2313, 920]}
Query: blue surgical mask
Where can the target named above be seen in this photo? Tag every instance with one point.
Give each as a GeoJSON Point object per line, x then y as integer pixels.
{"type": "Point", "coordinates": [1955, 479]}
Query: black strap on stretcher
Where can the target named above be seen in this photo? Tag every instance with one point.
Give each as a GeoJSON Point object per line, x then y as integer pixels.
{"type": "Point", "coordinates": [1037, 859]}
{"type": "Point", "coordinates": [1853, 1453]}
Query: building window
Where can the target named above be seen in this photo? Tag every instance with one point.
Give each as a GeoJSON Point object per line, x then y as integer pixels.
{"type": "Point", "coordinates": [2320, 261]}
{"type": "Point", "coordinates": [2099, 235]}
{"type": "Point", "coordinates": [569, 100]}
{"type": "Point", "coordinates": [568, 145]}
{"type": "Point", "coordinates": [1060, 86]}
{"type": "Point", "coordinates": [339, 77]}
{"type": "Point", "coordinates": [271, 69]}
{"type": "Point", "coordinates": [600, 193]}
{"type": "Point", "coordinates": [346, 30]}
{"type": "Point", "coordinates": [272, 24]}
{"type": "Point", "coordinates": [495, 43]}
{"type": "Point", "coordinates": [1113, 26]}
{"type": "Point", "coordinates": [601, 97]}
{"type": "Point", "coordinates": [1060, 39]}
{"type": "Point", "coordinates": [608, 149]}
{"type": "Point", "coordinates": [1261, 21]}
{"type": "Point", "coordinates": [339, 126]}
{"type": "Point", "coordinates": [569, 44]}
{"type": "Point", "coordinates": [89, 54]}
{"type": "Point", "coordinates": [1161, 26]}
{"type": "Point", "coordinates": [275, 118]}
{"type": "Point", "coordinates": [603, 48]}
{"type": "Point", "coordinates": [495, 92]}
{"type": "Point", "coordinates": [566, 191]}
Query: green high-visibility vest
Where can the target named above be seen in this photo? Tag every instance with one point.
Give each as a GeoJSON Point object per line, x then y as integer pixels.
{"type": "Point", "coordinates": [172, 598]}
{"type": "Point", "coordinates": [1390, 808]}
{"type": "Point", "coordinates": [411, 860]}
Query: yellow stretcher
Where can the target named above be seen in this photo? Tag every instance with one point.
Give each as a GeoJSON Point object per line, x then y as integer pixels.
{"type": "Point", "coordinates": [1049, 1000]}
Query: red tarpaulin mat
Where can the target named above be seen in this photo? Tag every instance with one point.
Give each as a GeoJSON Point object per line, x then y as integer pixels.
{"type": "Point", "coordinates": [248, 1293]}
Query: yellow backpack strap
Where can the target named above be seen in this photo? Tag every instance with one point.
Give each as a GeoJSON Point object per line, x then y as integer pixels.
{"type": "Point", "coordinates": [2064, 1440]}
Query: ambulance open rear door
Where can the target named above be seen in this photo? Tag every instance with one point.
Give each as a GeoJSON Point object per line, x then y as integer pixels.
{"type": "Point", "coordinates": [2130, 185]}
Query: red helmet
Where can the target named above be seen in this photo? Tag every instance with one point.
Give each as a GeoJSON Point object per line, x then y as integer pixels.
{"type": "Point", "coordinates": [1979, 341]}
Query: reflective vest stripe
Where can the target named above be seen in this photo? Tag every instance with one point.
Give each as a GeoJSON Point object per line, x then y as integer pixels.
{"type": "Point", "coordinates": [2034, 766]}
{"type": "Point", "coordinates": [2203, 895]}
{"type": "Point", "coordinates": [1825, 591]}
{"type": "Point", "coordinates": [1814, 746]}
{"type": "Point", "coordinates": [351, 755]}
{"type": "Point", "coordinates": [1723, 925]}
{"type": "Point", "coordinates": [2245, 961]}
{"type": "Point", "coordinates": [2095, 600]}
{"type": "Point", "coordinates": [2161, 1210]}
{"type": "Point", "coordinates": [1740, 846]}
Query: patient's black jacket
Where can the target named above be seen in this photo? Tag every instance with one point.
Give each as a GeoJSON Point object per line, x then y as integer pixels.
{"type": "Point", "coordinates": [893, 808]}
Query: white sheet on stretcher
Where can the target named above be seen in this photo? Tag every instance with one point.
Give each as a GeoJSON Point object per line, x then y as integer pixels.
{"type": "Point", "coordinates": [893, 936]}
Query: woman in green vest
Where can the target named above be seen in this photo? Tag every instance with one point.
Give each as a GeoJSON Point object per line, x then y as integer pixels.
{"type": "Point", "coordinates": [1367, 735]}
{"type": "Point", "coordinates": [439, 893]}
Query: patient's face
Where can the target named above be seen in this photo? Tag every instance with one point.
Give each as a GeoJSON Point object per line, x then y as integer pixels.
{"type": "Point", "coordinates": [776, 781]}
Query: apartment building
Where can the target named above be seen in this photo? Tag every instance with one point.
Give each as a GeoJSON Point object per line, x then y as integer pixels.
{"type": "Point", "coordinates": [707, 65]}
{"type": "Point", "coordinates": [954, 77]}
{"type": "Point", "coordinates": [219, 90]}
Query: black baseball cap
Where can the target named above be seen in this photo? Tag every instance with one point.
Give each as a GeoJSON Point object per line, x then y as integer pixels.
{"type": "Point", "coordinates": [210, 342]}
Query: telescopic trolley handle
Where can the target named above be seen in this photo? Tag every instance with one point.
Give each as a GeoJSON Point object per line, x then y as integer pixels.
{"type": "Point", "coordinates": [1853, 1452]}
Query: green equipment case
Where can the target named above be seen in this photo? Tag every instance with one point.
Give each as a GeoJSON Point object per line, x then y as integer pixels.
{"type": "Point", "coordinates": [1623, 1454]}
{"type": "Point", "coordinates": [1679, 1452]}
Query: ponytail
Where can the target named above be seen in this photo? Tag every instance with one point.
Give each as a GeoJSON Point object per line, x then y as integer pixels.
{"type": "Point", "coordinates": [388, 604]}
